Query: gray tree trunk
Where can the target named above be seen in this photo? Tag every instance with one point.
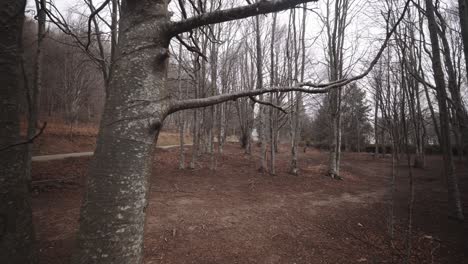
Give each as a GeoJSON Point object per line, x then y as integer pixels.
{"type": "Point", "coordinates": [180, 115]}
{"type": "Point", "coordinates": [34, 91]}
{"type": "Point", "coordinates": [262, 125]}
{"type": "Point", "coordinates": [273, 112]}
{"type": "Point", "coordinates": [336, 27]}
{"type": "Point", "coordinates": [114, 205]}
{"type": "Point", "coordinates": [445, 140]}
{"type": "Point", "coordinates": [16, 229]}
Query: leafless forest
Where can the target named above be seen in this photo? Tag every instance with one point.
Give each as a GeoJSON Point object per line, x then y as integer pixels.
{"type": "Point", "coordinates": [231, 131]}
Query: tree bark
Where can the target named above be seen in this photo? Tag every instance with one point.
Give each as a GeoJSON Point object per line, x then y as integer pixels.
{"type": "Point", "coordinates": [16, 229]}
{"type": "Point", "coordinates": [180, 116]}
{"type": "Point", "coordinates": [445, 141]}
{"type": "Point", "coordinates": [261, 111]}
{"type": "Point", "coordinates": [34, 91]}
{"type": "Point", "coordinates": [114, 205]}
{"type": "Point", "coordinates": [273, 112]}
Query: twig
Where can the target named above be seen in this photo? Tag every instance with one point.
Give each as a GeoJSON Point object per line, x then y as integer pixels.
{"type": "Point", "coordinates": [191, 48]}
{"type": "Point", "coordinates": [268, 104]}
{"type": "Point", "coordinates": [31, 140]}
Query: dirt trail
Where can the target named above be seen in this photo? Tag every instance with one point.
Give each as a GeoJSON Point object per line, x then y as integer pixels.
{"type": "Point", "coordinates": [83, 154]}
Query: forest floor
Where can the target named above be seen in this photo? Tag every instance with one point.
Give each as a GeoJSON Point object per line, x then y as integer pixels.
{"type": "Point", "coordinates": [239, 215]}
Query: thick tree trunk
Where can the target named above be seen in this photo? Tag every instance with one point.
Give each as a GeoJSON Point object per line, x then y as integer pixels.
{"type": "Point", "coordinates": [16, 229]}
{"type": "Point", "coordinates": [445, 140]}
{"type": "Point", "coordinates": [114, 205]}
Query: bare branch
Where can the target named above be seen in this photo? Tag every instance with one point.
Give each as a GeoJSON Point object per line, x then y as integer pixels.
{"type": "Point", "coordinates": [217, 99]}
{"type": "Point", "coordinates": [31, 140]}
{"type": "Point", "coordinates": [268, 104]}
{"type": "Point", "coordinates": [319, 88]}
{"type": "Point", "coordinates": [345, 81]}
{"type": "Point", "coordinates": [191, 48]}
{"type": "Point", "coordinates": [91, 17]}
{"type": "Point", "coordinates": [260, 7]}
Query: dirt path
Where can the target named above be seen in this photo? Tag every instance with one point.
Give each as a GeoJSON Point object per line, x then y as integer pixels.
{"type": "Point", "coordinates": [83, 154]}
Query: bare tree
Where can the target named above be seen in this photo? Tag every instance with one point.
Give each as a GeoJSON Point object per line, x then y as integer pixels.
{"type": "Point", "coordinates": [336, 25]}
{"type": "Point", "coordinates": [113, 211]}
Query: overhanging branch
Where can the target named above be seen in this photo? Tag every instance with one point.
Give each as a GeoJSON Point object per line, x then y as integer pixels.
{"type": "Point", "coordinates": [217, 99]}
{"type": "Point", "coordinates": [258, 8]}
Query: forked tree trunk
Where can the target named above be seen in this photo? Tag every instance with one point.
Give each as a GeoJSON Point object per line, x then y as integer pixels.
{"type": "Point", "coordinates": [16, 229]}
{"type": "Point", "coordinates": [336, 27]}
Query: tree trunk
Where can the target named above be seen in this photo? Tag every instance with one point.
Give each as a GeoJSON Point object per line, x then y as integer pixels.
{"type": "Point", "coordinates": [335, 143]}
{"type": "Point", "coordinates": [180, 115]}
{"type": "Point", "coordinates": [34, 91]}
{"type": "Point", "coordinates": [445, 141]}
{"type": "Point", "coordinates": [273, 112]}
{"type": "Point", "coordinates": [376, 114]}
{"type": "Point", "coordinates": [460, 115]}
{"type": "Point", "coordinates": [195, 125]}
{"type": "Point", "coordinates": [16, 229]}
{"type": "Point", "coordinates": [262, 125]}
{"type": "Point", "coordinates": [114, 206]}
{"type": "Point", "coordinates": [463, 14]}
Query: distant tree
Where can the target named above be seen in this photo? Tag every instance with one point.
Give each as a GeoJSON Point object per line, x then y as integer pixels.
{"type": "Point", "coordinates": [356, 124]}
{"type": "Point", "coordinates": [355, 121]}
